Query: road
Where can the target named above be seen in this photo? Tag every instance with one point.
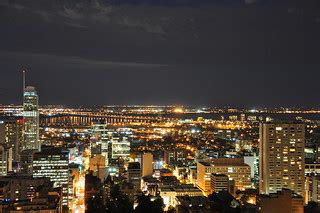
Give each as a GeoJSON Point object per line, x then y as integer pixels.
{"type": "Point", "coordinates": [78, 203]}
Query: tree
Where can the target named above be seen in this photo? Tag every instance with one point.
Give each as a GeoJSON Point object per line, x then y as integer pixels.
{"type": "Point", "coordinates": [119, 202]}
{"type": "Point", "coordinates": [145, 205]}
{"type": "Point", "coordinates": [95, 204]}
{"type": "Point", "coordinates": [171, 209]}
{"type": "Point", "coordinates": [157, 205]}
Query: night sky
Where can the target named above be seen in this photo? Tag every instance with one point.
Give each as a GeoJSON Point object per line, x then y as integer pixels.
{"type": "Point", "coordinates": [242, 53]}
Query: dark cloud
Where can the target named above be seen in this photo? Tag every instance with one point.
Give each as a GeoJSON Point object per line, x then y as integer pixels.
{"type": "Point", "coordinates": [243, 53]}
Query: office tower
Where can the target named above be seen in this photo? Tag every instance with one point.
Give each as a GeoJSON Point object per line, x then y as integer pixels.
{"type": "Point", "coordinates": [120, 147]}
{"type": "Point", "coordinates": [234, 168]}
{"type": "Point", "coordinates": [54, 164]}
{"type": "Point", "coordinates": [134, 175]}
{"type": "Point", "coordinates": [219, 182]}
{"type": "Point", "coordinates": [281, 161]}
{"type": "Point", "coordinates": [11, 133]}
{"type": "Point", "coordinates": [31, 119]}
{"type": "Point", "coordinates": [100, 140]}
{"type": "Point", "coordinates": [147, 164]}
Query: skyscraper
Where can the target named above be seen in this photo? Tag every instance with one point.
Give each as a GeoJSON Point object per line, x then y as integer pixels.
{"type": "Point", "coordinates": [282, 157]}
{"type": "Point", "coordinates": [31, 119]}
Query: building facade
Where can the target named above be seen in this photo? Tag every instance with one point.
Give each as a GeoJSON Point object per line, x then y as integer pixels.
{"type": "Point", "coordinates": [147, 164]}
{"type": "Point", "coordinates": [31, 119]}
{"type": "Point", "coordinates": [11, 133]}
{"type": "Point", "coordinates": [282, 201]}
{"type": "Point", "coordinates": [134, 175]}
{"type": "Point", "coordinates": [120, 147]}
{"type": "Point", "coordinates": [100, 140]}
{"type": "Point", "coordinates": [234, 168]}
{"type": "Point", "coordinates": [281, 158]}
{"type": "Point", "coordinates": [219, 182]}
{"type": "Point", "coordinates": [312, 188]}
{"type": "Point", "coordinates": [53, 163]}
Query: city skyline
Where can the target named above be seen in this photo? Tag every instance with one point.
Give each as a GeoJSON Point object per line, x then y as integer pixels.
{"type": "Point", "coordinates": [162, 106]}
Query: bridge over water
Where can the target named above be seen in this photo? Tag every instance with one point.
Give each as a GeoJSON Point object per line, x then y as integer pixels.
{"type": "Point", "coordinates": [86, 119]}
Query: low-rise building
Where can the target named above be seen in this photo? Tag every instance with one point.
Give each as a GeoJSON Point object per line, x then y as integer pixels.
{"type": "Point", "coordinates": [219, 182]}
{"type": "Point", "coordinates": [284, 201]}
{"type": "Point", "coordinates": [234, 168]}
{"type": "Point", "coordinates": [20, 187]}
{"type": "Point", "coordinates": [312, 168]}
{"type": "Point", "coordinates": [192, 204]}
{"type": "Point", "coordinates": [169, 194]}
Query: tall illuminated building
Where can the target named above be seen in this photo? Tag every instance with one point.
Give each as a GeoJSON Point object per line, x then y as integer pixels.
{"type": "Point", "coordinates": [5, 159]}
{"type": "Point", "coordinates": [100, 140]}
{"type": "Point", "coordinates": [11, 134]}
{"type": "Point", "coordinates": [53, 163]}
{"type": "Point", "coordinates": [8, 143]}
{"type": "Point", "coordinates": [282, 157]}
{"type": "Point", "coordinates": [31, 119]}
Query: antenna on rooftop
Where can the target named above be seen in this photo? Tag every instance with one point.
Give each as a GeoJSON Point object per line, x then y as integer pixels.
{"type": "Point", "coordinates": [24, 80]}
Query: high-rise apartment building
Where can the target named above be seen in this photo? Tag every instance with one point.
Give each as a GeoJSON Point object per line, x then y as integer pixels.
{"type": "Point", "coordinates": [281, 160]}
{"type": "Point", "coordinates": [31, 119]}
